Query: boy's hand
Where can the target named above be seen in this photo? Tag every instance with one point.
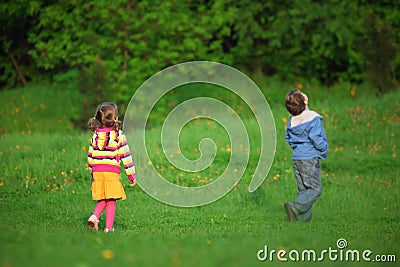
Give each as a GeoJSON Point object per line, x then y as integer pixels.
{"type": "Point", "coordinates": [132, 182]}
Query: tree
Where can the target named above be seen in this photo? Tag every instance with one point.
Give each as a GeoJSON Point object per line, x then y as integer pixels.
{"type": "Point", "coordinates": [379, 48]}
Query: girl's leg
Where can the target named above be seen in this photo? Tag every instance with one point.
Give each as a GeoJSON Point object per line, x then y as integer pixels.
{"type": "Point", "coordinates": [93, 221]}
{"type": "Point", "coordinates": [100, 205]}
{"type": "Point", "coordinates": [111, 205]}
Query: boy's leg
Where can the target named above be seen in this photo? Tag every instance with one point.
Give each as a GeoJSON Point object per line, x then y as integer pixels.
{"type": "Point", "coordinates": [111, 205]}
{"type": "Point", "coordinates": [301, 187]}
{"type": "Point", "coordinates": [305, 217]}
{"type": "Point", "coordinates": [308, 175]}
{"type": "Point", "coordinates": [292, 216]}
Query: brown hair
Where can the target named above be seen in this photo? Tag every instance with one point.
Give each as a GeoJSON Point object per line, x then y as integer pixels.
{"type": "Point", "coordinates": [106, 116]}
{"type": "Point", "coordinates": [294, 102]}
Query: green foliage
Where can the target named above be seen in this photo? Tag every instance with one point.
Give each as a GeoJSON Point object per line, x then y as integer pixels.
{"type": "Point", "coordinates": [136, 39]}
{"type": "Point", "coordinates": [379, 48]}
{"type": "Point", "coordinates": [316, 39]}
{"type": "Point", "coordinates": [93, 84]}
{"type": "Point", "coordinates": [16, 18]}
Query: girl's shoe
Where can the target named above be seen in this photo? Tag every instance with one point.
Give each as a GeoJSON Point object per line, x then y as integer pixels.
{"type": "Point", "coordinates": [93, 222]}
{"type": "Point", "coordinates": [109, 230]}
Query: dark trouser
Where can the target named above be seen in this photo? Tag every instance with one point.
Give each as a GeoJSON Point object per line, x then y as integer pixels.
{"type": "Point", "coordinates": [308, 177]}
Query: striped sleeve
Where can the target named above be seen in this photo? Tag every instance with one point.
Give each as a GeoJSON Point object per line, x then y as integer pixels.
{"type": "Point", "coordinates": [90, 157]}
{"type": "Point", "coordinates": [125, 156]}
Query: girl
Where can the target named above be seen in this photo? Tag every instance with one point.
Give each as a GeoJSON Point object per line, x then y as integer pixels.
{"type": "Point", "coordinates": [108, 147]}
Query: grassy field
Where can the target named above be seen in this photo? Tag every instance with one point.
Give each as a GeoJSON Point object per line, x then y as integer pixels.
{"type": "Point", "coordinates": [45, 197]}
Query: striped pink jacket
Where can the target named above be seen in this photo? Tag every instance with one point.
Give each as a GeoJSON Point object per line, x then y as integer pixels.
{"type": "Point", "coordinates": [107, 149]}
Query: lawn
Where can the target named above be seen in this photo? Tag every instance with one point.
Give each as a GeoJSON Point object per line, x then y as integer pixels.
{"type": "Point", "coordinates": [45, 195]}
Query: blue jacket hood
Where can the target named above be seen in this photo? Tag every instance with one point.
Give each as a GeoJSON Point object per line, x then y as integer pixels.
{"type": "Point", "coordinates": [306, 135]}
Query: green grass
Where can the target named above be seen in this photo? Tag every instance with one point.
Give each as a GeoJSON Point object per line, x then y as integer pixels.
{"type": "Point", "coordinates": [45, 189]}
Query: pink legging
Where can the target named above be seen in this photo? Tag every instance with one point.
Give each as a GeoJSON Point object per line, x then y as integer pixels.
{"type": "Point", "coordinates": [110, 205]}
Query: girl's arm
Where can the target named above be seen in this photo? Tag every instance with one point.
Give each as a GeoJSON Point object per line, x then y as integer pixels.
{"type": "Point", "coordinates": [125, 156]}
{"type": "Point", "coordinates": [90, 159]}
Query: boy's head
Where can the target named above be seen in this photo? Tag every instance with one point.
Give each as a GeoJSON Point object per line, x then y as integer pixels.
{"type": "Point", "coordinates": [296, 102]}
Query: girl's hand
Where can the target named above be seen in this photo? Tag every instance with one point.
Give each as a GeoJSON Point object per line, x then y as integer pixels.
{"type": "Point", "coordinates": [132, 183]}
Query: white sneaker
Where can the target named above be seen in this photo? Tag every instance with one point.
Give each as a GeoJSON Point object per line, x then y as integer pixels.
{"type": "Point", "coordinates": [93, 222]}
{"type": "Point", "coordinates": [109, 230]}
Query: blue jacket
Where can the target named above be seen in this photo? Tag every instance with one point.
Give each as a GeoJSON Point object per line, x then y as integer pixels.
{"type": "Point", "coordinates": [307, 136]}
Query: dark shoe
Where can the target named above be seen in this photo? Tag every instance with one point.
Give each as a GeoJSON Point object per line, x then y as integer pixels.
{"type": "Point", "coordinates": [290, 214]}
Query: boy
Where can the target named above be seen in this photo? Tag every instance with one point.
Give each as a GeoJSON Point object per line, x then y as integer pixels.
{"type": "Point", "coordinates": [306, 135]}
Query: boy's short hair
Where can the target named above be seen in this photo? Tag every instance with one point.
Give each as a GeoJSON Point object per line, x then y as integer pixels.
{"type": "Point", "coordinates": [294, 102]}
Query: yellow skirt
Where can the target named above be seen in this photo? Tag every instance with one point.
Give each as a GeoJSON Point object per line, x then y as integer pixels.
{"type": "Point", "coordinates": [107, 185]}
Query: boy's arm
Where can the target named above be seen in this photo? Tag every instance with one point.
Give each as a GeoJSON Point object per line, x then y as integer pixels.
{"type": "Point", "coordinates": [126, 158]}
{"type": "Point", "coordinates": [318, 137]}
{"type": "Point", "coordinates": [287, 137]}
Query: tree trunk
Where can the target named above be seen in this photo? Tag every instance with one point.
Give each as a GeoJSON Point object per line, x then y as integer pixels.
{"type": "Point", "coordinates": [17, 69]}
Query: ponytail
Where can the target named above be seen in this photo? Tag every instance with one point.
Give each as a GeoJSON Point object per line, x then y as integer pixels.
{"type": "Point", "coordinates": [92, 124]}
{"type": "Point", "coordinates": [117, 125]}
